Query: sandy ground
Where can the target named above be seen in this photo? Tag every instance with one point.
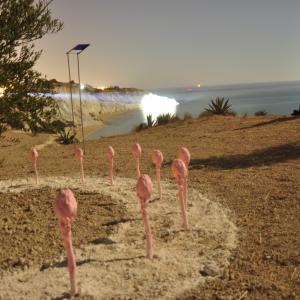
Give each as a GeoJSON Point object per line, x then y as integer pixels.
{"type": "Point", "coordinates": [116, 266]}
{"type": "Point", "coordinates": [248, 165]}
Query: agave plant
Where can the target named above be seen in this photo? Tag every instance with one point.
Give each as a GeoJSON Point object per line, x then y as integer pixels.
{"type": "Point", "coordinates": [219, 106]}
{"type": "Point", "coordinates": [150, 121]}
{"type": "Point", "coordinates": [67, 137]}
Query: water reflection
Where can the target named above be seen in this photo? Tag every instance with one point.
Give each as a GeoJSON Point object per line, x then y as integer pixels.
{"type": "Point", "coordinates": [155, 105]}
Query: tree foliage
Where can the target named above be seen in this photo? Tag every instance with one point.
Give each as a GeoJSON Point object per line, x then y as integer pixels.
{"type": "Point", "coordinates": [26, 102]}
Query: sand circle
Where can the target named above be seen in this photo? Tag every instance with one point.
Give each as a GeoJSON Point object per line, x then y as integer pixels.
{"type": "Point", "coordinates": [116, 267]}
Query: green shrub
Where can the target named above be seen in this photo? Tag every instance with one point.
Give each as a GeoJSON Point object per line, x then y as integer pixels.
{"type": "Point", "coordinates": [56, 126]}
{"type": "Point", "coordinates": [205, 114]}
{"type": "Point", "coordinates": [175, 118]}
{"type": "Point", "coordinates": [161, 120]}
{"type": "Point", "coordinates": [296, 112]}
{"type": "Point", "coordinates": [261, 113]}
{"type": "Point", "coordinates": [232, 113]}
{"type": "Point", "coordinates": [140, 127]}
{"type": "Point", "coordinates": [59, 125]}
{"type": "Point", "coordinates": [3, 128]}
{"type": "Point", "coordinates": [220, 106]}
{"type": "Point", "coordinates": [166, 119]}
{"type": "Point", "coordinates": [67, 137]}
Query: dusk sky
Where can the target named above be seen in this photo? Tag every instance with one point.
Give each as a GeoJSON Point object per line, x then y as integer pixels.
{"type": "Point", "coordinates": [170, 43]}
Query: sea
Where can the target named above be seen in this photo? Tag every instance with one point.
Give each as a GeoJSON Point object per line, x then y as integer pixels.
{"type": "Point", "coordinates": [279, 98]}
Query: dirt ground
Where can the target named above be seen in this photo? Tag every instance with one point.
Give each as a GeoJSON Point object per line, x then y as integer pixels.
{"type": "Point", "coordinates": [115, 267]}
{"type": "Point", "coordinates": [29, 232]}
{"type": "Point", "coordinates": [249, 165]}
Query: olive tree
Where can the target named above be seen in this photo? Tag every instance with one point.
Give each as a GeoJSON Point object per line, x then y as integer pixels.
{"type": "Point", "coordinates": [26, 102]}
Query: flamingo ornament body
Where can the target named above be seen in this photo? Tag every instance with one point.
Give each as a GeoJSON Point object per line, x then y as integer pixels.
{"type": "Point", "coordinates": [137, 152]}
{"type": "Point", "coordinates": [180, 173]}
{"type": "Point", "coordinates": [144, 189]}
{"type": "Point", "coordinates": [157, 159]}
{"type": "Point", "coordinates": [65, 209]}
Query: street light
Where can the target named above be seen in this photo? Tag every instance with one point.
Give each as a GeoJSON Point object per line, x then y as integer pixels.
{"type": "Point", "coordinates": [76, 50]}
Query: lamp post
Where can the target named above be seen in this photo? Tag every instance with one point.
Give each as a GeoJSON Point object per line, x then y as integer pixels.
{"type": "Point", "coordinates": [76, 50]}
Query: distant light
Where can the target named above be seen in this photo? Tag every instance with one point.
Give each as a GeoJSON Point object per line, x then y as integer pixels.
{"type": "Point", "coordinates": [82, 86]}
{"type": "Point", "coordinates": [199, 85]}
{"type": "Point", "coordinates": [156, 105]}
{"type": "Point", "coordinates": [102, 87]}
{"type": "Point", "coordinates": [2, 91]}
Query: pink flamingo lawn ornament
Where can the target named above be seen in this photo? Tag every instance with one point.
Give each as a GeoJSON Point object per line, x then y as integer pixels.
{"type": "Point", "coordinates": [34, 157]}
{"type": "Point", "coordinates": [110, 155]}
{"type": "Point", "coordinates": [137, 152]}
{"type": "Point", "coordinates": [65, 208]}
{"type": "Point", "coordinates": [185, 156]}
{"type": "Point", "coordinates": [144, 189]}
{"type": "Point", "coordinates": [79, 156]}
{"type": "Point", "coordinates": [157, 158]}
{"type": "Point", "coordinates": [180, 173]}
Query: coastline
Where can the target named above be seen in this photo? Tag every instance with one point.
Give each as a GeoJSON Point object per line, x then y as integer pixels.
{"type": "Point", "coordinates": [96, 114]}
{"type": "Point", "coordinates": [92, 128]}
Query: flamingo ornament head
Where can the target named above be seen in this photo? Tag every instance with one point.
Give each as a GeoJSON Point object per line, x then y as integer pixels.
{"type": "Point", "coordinates": [179, 170]}
{"type": "Point", "coordinates": [184, 155]}
{"type": "Point", "coordinates": [65, 206]}
{"type": "Point", "coordinates": [144, 188]}
{"type": "Point", "coordinates": [157, 158]}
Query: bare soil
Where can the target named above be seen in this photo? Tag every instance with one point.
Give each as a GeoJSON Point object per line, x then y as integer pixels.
{"type": "Point", "coordinates": [29, 232]}
{"type": "Point", "coordinates": [116, 267]}
{"type": "Point", "coordinates": [249, 165]}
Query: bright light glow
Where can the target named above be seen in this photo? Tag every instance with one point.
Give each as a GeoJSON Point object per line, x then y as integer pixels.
{"type": "Point", "coordinates": [102, 87]}
{"type": "Point", "coordinates": [199, 85]}
{"type": "Point", "coordinates": [157, 105]}
{"type": "Point", "coordinates": [1, 91]}
{"type": "Point", "coordinates": [82, 86]}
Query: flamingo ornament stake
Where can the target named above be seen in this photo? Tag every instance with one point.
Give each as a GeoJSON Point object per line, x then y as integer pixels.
{"type": "Point", "coordinates": [144, 188]}
{"type": "Point", "coordinates": [65, 209]}
{"type": "Point", "coordinates": [137, 152]}
{"type": "Point", "coordinates": [110, 155]}
{"type": "Point", "coordinates": [157, 158]}
{"type": "Point", "coordinates": [180, 173]}
{"type": "Point", "coordinates": [185, 156]}
{"type": "Point", "coordinates": [79, 156]}
{"type": "Point", "coordinates": [34, 157]}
